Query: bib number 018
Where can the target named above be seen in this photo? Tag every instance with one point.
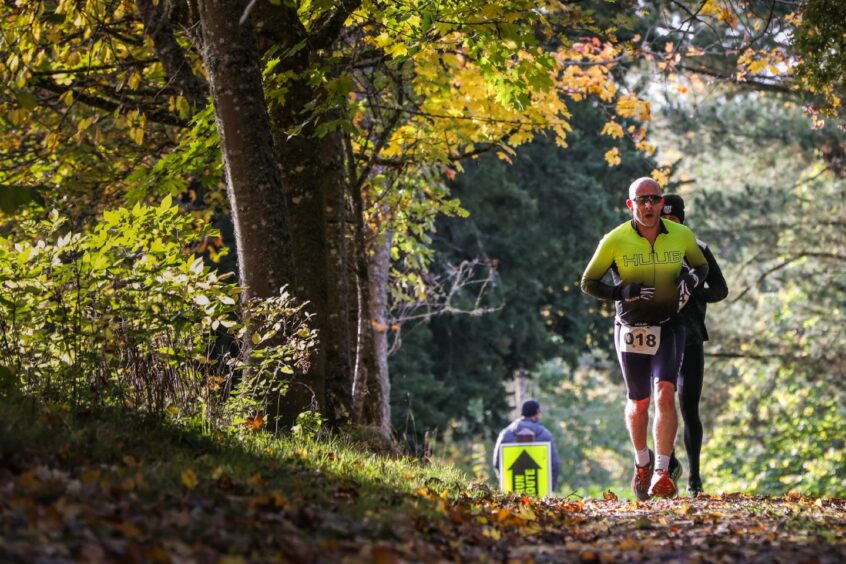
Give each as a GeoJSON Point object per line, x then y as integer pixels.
{"type": "Point", "coordinates": [643, 340]}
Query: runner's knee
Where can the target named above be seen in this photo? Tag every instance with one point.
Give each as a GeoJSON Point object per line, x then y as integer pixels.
{"type": "Point", "coordinates": [666, 395]}
{"type": "Point", "coordinates": [637, 406]}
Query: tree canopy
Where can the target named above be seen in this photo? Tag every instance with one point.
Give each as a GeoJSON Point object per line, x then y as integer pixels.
{"type": "Point", "coordinates": [422, 179]}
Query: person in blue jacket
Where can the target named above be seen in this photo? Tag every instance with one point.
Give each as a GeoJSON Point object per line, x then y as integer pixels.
{"type": "Point", "coordinates": [527, 429]}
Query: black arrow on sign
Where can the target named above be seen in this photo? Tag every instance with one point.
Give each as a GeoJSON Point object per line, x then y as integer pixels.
{"type": "Point", "coordinates": [518, 468]}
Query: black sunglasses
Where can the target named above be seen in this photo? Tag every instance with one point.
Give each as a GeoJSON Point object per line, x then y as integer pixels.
{"type": "Point", "coordinates": [650, 198]}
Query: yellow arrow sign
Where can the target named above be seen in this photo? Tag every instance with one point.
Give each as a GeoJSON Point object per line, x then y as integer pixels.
{"type": "Point", "coordinates": [525, 468]}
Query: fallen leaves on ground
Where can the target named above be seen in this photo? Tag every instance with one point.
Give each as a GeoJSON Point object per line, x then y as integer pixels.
{"type": "Point", "coordinates": [108, 512]}
{"type": "Point", "coordinates": [189, 502]}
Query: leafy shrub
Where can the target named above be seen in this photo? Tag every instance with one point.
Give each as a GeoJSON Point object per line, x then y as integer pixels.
{"type": "Point", "coordinates": [782, 430]}
{"type": "Point", "coordinates": [128, 315]}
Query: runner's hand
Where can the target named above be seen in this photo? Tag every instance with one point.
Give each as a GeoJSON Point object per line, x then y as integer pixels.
{"type": "Point", "coordinates": [686, 284]}
{"type": "Point", "coordinates": [688, 278]}
{"type": "Point", "coordinates": [634, 292]}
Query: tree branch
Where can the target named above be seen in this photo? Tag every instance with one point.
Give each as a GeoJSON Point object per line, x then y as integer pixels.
{"type": "Point", "coordinates": [157, 25]}
{"type": "Point", "coordinates": [156, 116]}
{"type": "Point", "coordinates": [327, 31]}
{"type": "Point", "coordinates": [781, 88]}
{"type": "Point", "coordinates": [788, 262]}
{"type": "Point", "coordinates": [85, 70]}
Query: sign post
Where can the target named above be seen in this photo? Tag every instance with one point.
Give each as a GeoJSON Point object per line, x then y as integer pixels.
{"type": "Point", "coordinates": [525, 468]}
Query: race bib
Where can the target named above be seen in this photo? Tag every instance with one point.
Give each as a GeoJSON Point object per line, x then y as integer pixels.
{"type": "Point", "coordinates": [643, 340]}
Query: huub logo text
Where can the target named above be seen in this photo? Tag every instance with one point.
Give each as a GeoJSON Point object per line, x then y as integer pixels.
{"type": "Point", "coordinates": [667, 257]}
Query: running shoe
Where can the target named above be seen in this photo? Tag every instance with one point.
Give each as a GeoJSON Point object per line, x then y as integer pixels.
{"type": "Point", "coordinates": [640, 480]}
{"type": "Point", "coordinates": [676, 469]}
{"type": "Point", "coordinates": [662, 485]}
{"type": "Point", "coordinates": [694, 487]}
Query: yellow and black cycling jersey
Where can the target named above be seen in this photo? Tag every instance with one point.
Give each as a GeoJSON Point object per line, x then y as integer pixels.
{"type": "Point", "coordinates": [633, 260]}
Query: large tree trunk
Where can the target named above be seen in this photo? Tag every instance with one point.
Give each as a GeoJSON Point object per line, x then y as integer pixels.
{"type": "Point", "coordinates": [368, 401]}
{"type": "Point", "coordinates": [253, 179]}
{"type": "Point", "coordinates": [379, 384]}
{"type": "Point", "coordinates": [314, 179]}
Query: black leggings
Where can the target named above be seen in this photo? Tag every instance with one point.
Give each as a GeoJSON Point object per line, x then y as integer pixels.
{"type": "Point", "coordinates": [690, 389]}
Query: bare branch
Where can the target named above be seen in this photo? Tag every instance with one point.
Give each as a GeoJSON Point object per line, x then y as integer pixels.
{"type": "Point", "coordinates": [441, 293]}
{"type": "Point", "coordinates": [786, 263]}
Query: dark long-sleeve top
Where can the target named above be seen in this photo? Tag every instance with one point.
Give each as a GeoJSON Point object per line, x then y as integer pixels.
{"type": "Point", "coordinates": [714, 289]}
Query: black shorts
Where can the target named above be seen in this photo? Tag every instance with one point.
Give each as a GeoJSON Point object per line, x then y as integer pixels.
{"type": "Point", "coordinates": [639, 370]}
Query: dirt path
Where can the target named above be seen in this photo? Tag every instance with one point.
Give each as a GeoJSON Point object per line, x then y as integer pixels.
{"type": "Point", "coordinates": [731, 528]}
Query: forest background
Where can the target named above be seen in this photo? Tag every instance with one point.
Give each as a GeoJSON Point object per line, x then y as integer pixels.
{"type": "Point", "coordinates": [427, 182]}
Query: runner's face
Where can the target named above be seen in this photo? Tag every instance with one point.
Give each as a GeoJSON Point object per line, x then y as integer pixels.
{"type": "Point", "coordinates": [671, 217]}
{"type": "Point", "coordinates": [647, 213]}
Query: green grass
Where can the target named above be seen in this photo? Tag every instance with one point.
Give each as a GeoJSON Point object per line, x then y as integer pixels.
{"type": "Point", "coordinates": [316, 469]}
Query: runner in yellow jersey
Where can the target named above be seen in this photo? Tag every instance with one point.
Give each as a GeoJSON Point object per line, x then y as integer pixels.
{"type": "Point", "coordinates": [645, 257]}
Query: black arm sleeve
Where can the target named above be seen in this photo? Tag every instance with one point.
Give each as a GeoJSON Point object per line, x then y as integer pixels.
{"type": "Point", "coordinates": [701, 273]}
{"type": "Point", "coordinates": [600, 290]}
{"type": "Point", "coordinates": [717, 289]}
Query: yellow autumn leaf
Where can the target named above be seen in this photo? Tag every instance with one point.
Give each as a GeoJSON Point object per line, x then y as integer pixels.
{"type": "Point", "coordinates": [757, 66]}
{"type": "Point", "coordinates": [451, 60]}
{"type": "Point", "coordinates": [18, 116]}
{"type": "Point", "coordinates": [67, 98]}
{"type": "Point", "coordinates": [626, 106]}
{"type": "Point", "coordinates": [51, 141]}
{"type": "Point", "coordinates": [645, 147]}
{"type": "Point", "coordinates": [383, 39]}
{"type": "Point", "coordinates": [397, 50]}
{"type": "Point", "coordinates": [630, 106]}
{"type": "Point", "coordinates": [189, 479]}
{"type": "Point", "coordinates": [137, 135]}
{"type": "Point", "coordinates": [613, 157]}
{"type": "Point", "coordinates": [661, 176]}
{"type": "Point", "coordinates": [134, 80]}
{"type": "Point", "coordinates": [613, 129]}
{"type": "Point", "coordinates": [84, 123]}
{"type": "Point", "coordinates": [710, 8]}
{"type": "Point", "coordinates": [183, 107]}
